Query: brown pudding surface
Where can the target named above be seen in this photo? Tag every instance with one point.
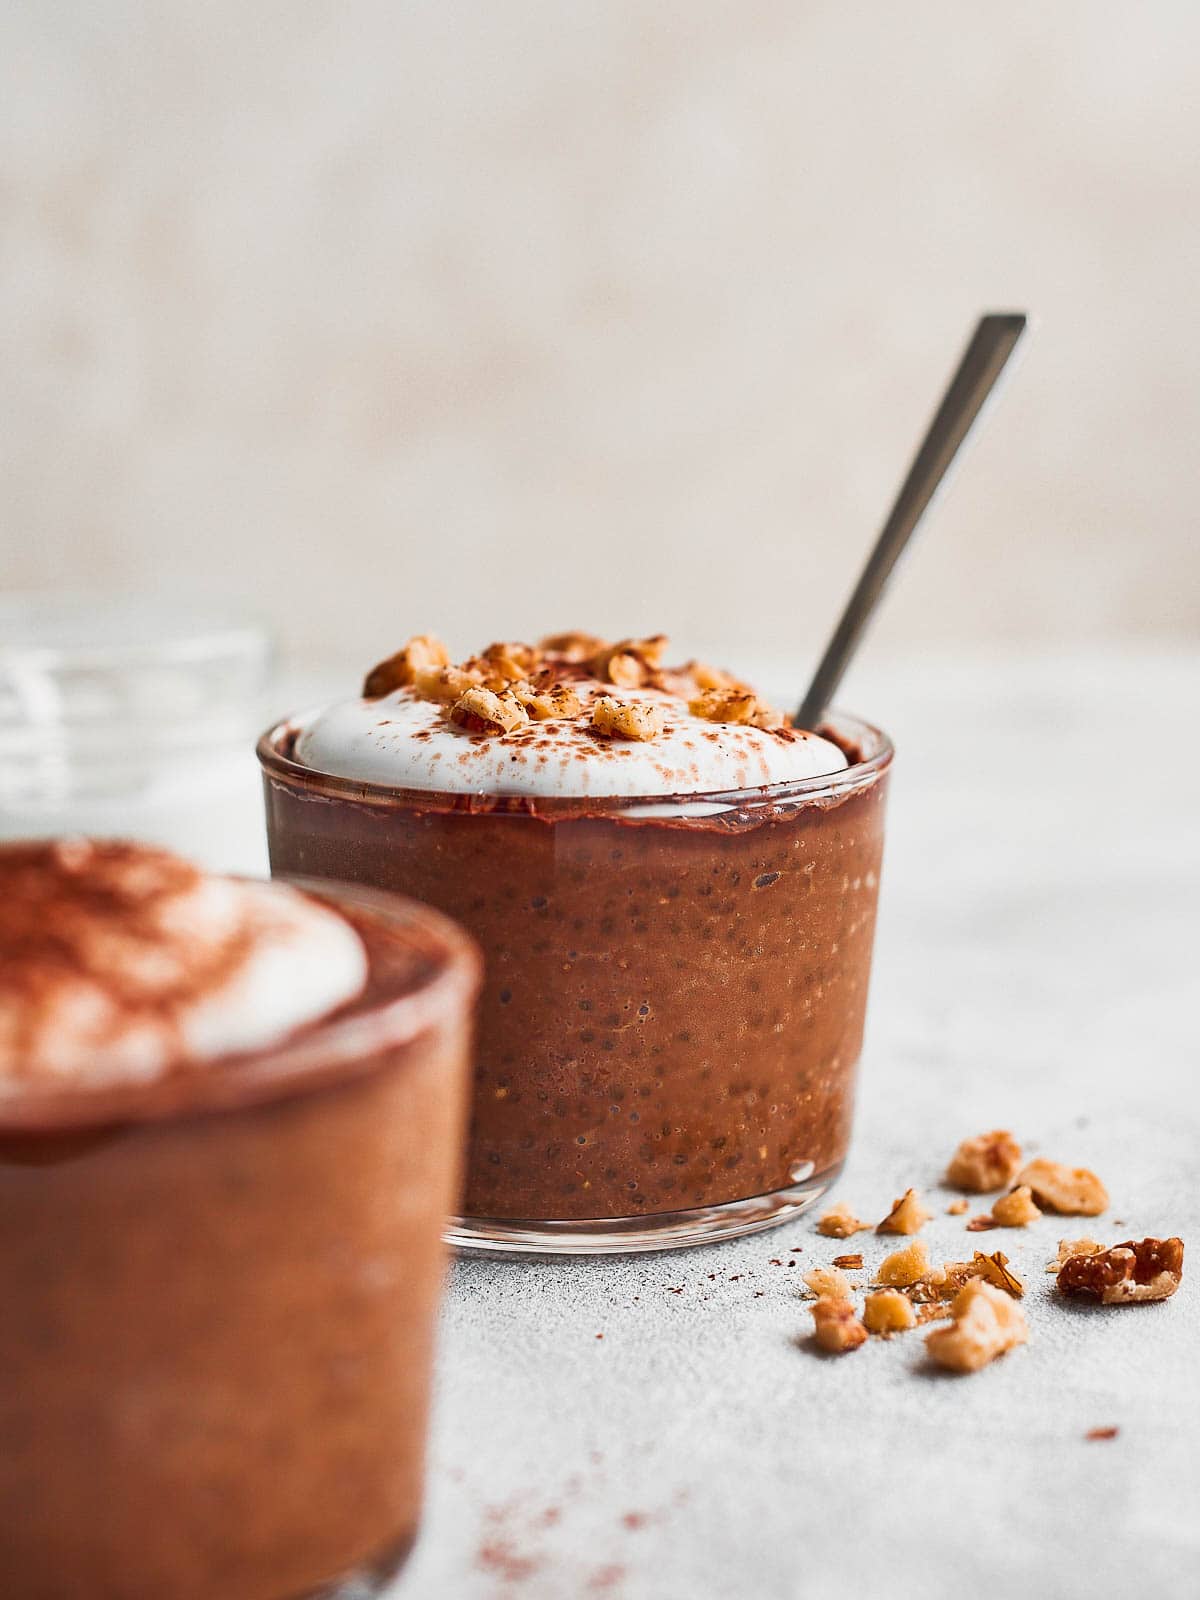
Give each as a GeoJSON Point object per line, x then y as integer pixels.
{"type": "Point", "coordinates": [673, 1009]}
{"type": "Point", "coordinates": [219, 1302]}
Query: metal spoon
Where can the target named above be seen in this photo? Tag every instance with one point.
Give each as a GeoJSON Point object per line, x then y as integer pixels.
{"type": "Point", "coordinates": [993, 341]}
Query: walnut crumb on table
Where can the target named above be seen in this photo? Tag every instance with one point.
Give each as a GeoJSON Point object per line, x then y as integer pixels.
{"type": "Point", "coordinates": [1015, 1209]}
{"type": "Point", "coordinates": [994, 1270]}
{"type": "Point", "coordinates": [907, 1215]}
{"type": "Point", "coordinates": [1150, 1269]}
{"type": "Point", "coordinates": [828, 1283]}
{"type": "Point", "coordinates": [835, 1326]}
{"type": "Point", "coordinates": [1071, 1191]}
{"type": "Point", "coordinates": [986, 1162]}
{"type": "Point", "coordinates": [839, 1222]}
{"type": "Point", "coordinates": [905, 1267]}
{"type": "Point", "coordinates": [887, 1311]}
{"type": "Point", "coordinates": [986, 1323]}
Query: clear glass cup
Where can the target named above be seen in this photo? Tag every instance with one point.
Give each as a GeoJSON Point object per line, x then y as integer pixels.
{"type": "Point", "coordinates": [132, 718]}
{"type": "Point", "coordinates": [220, 1295]}
{"type": "Point", "coordinates": [675, 988]}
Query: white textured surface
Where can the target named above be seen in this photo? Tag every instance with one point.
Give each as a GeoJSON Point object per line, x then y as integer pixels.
{"type": "Point", "coordinates": [1035, 968]}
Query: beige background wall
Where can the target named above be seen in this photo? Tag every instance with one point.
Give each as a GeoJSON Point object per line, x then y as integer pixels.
{"type": "Point", "coordinates": [494, 315]}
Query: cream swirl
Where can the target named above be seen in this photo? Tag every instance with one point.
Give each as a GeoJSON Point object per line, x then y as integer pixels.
{"type": "Point", "coordinates": [405, 740]}
{"type": "Point", "coordinates": [120, 962]}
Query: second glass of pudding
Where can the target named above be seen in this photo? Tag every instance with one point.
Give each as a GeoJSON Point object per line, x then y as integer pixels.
{"type": "Point", "coordinates": [675, 894]}
{"type": "Point", "coordinates": [231, 1124]}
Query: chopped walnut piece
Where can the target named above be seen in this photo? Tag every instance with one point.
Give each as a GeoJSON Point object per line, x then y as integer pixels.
{"type": "Point", "coordinates": [957, 1208]}
{"type": "Point", "coordinates": [445, 683]}
{"type": "Point", "coordinates": [727, 705]}
{"type": "Point", "coordinates": [578, 647]}
{"type": "Point", "coordinates": [986, 1324]}
{"type": "Point", "coordinates": [627, 719]}
{"type": "Point", "coordinates": [624, 669]}
{"type": "Point", "coordinates": [930, 1288]}
{"type": "Point", "coordinates": [1015, 1209]}
{"type": "Point", "coordinates": [630, 662]}
{"type": "Point", "coordinates": [545, 705]}
{"type": "Point", "coordinates": [1073, 1247]}
{"type": "Point", "coordinates": [907, 1215]}
{"type": "Point", "coordinates": [773, 721]}
{"type": "Point", "coordinates": [706, 677]}
{"type": "Point", "coordinates": [827, 1283]}
{"type": "Point", "coordinates": [482, 711]}
{"type": "Point", "coordinates": [906, 1266]}
{"type": "Point", "coordinates": [423, 653]}
{"type": "Point", "coordinates": [1150, 1269]}
{"type": "Point", "coordinates": [511, 660]}
{"type": "Point", "coordinates": [836, 1328]}
{"type": "Point", "coordinates": [851, 1263]}
{"type": "Point", "coordinates": [994, 1269]}
{"type": "Point", "coordinates": [982, 1223]}
{"type": "Point", "coordinates": [956, 1273]}
{"type": "Point", "coordinates": [888, 1311]}
{"type": "Point", "coordinates": [1072, 1191]}
{"type": "Point", "coordinates": [985, 1162]}
{"type": "Point", "coordinates": [933, 1312]}
{"type": "Point", "coordinates": [839, 1222]}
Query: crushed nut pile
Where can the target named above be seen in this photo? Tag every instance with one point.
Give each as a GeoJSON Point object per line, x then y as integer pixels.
{"type": "Point", "coordinates": [978, 1298]}
{"type": "Point", "coordinates": [512, 683]}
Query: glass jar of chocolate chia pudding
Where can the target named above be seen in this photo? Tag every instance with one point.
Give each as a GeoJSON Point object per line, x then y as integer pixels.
{"type": "Point", "coordinates": [221, 1277]}
{"type": "Point", "coordinates": [675, 894]}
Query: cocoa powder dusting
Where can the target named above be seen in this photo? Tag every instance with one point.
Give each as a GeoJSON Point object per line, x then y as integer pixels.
{"type": "Point", "coordinates": [82, 918]}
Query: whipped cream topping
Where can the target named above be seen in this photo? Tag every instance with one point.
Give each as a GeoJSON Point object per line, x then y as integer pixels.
{"type": "Point", "coordinates": [407, 741]}
{"type": "Point", "coordinates": [119, 962]}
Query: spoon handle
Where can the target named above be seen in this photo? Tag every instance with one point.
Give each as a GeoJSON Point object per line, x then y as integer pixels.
{"type": "Point", "coordinates": [991, 344]}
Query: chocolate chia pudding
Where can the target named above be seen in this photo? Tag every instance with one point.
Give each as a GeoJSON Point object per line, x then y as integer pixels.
{"type": "Point", "coordinates": [675, 893]}
{"type": "Point", "coordinates": [230, 1123]}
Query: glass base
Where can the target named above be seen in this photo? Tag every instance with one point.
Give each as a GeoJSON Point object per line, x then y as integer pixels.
{"type": "Point", "coordinates": [369, 1580]}
{"type": "Point", "coordinates": [663, 1230]}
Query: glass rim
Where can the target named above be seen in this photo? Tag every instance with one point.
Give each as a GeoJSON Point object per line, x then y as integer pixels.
{"type": "Point", "coordinates": [321, 1055]}
{"type": "Point", "coordinates": [279, 766]}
